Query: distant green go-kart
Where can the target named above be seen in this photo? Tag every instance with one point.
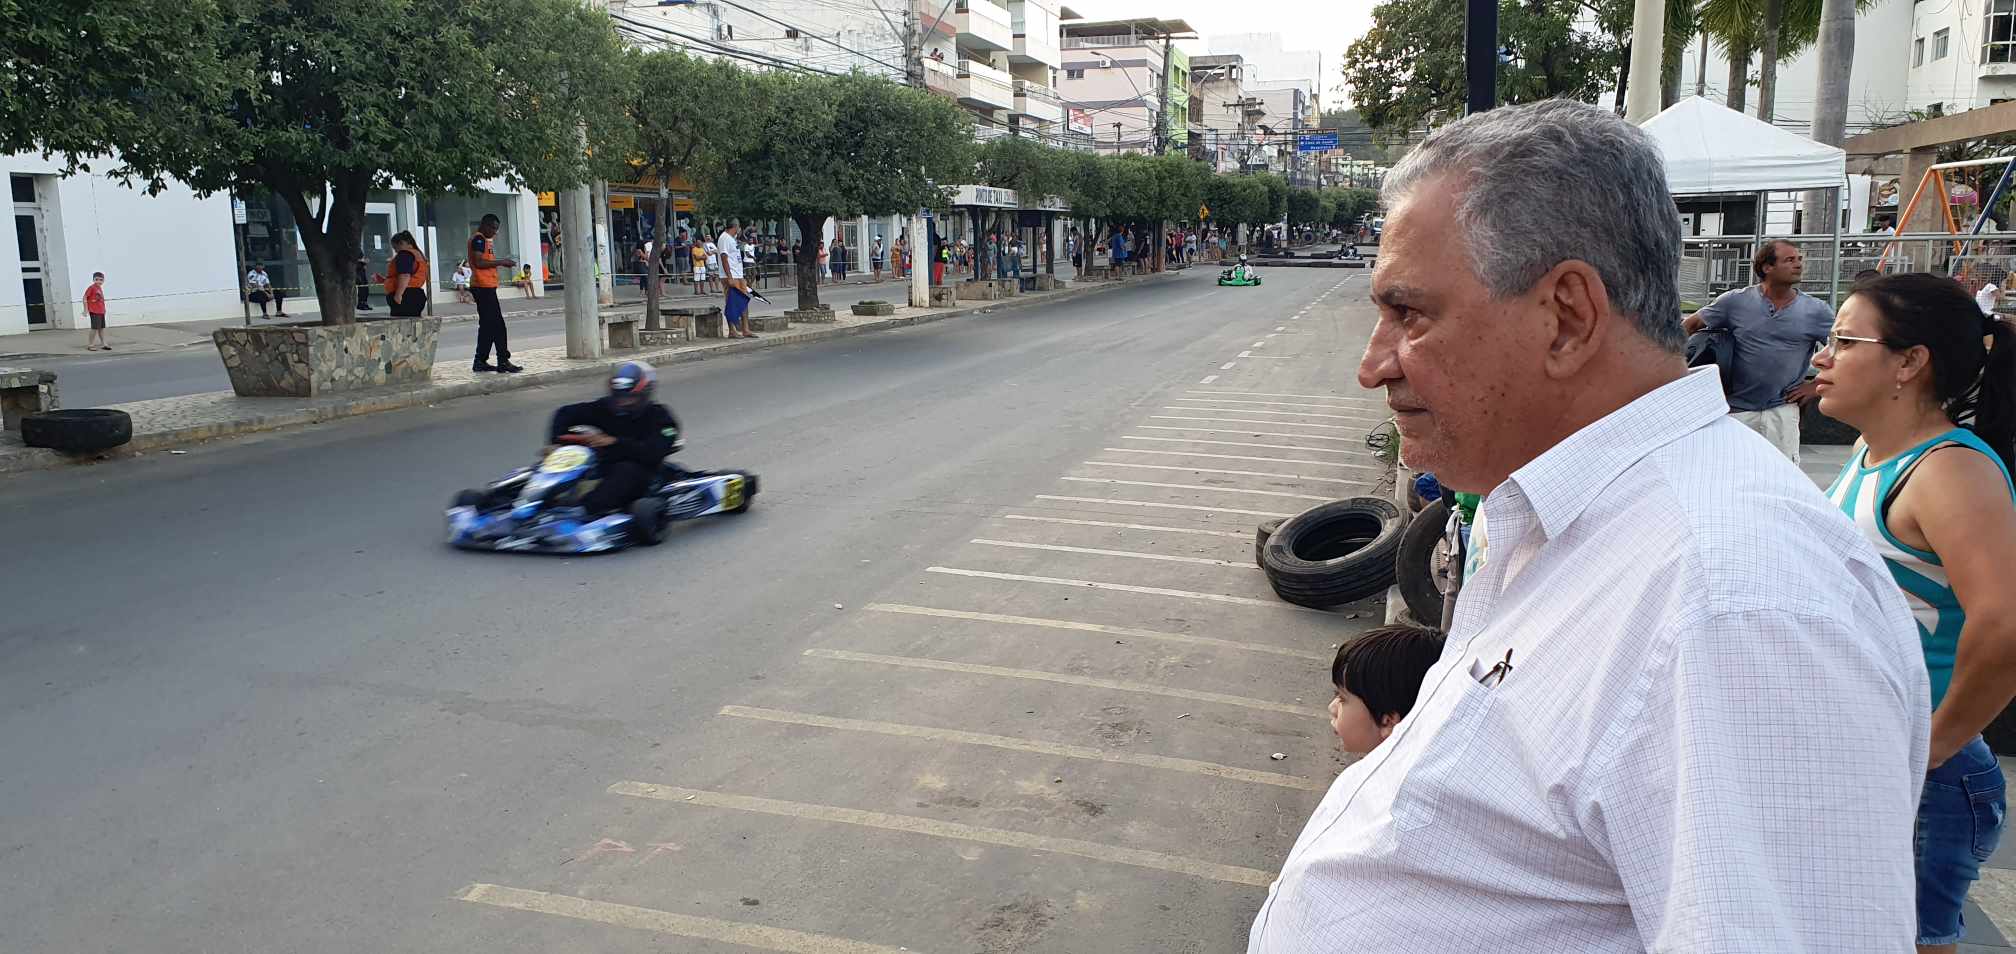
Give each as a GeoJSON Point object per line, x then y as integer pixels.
{"type": "Point", "coordinates": [1239, 275]}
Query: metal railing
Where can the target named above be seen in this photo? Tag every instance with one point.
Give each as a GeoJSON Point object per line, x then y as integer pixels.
{"type": "Point", "coordinates": [1711, 265]}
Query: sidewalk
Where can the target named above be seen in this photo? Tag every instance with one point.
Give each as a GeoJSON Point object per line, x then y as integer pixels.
{"type": "Point", "coordinates": [167, 422]}
{"type": "Point", "coordinates": [155, 338]}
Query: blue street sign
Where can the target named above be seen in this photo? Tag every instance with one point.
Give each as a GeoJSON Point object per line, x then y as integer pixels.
{"type": "Point", "coordinates": [1317, 141]}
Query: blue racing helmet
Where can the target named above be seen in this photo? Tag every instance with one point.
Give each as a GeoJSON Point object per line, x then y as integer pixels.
{"type": "Point", "coordinates": [632, 386]}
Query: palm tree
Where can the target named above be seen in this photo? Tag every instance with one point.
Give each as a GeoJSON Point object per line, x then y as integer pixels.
{"type": "Point", "coordinates": [1830, 100]}
{"type": "Point", "coordinates": [1743, 27]}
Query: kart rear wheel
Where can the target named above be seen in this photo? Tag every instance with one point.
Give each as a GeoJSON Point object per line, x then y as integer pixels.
{"type": "Point", "coordinates": [749, 486]}
{"type": "Point", "coordinates": [647, 520]}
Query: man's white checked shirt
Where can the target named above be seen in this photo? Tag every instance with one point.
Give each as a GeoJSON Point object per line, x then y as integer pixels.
{"type": "Point", "coordinates": [1712, 737]}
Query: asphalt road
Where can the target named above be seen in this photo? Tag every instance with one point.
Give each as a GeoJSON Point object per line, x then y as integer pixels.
{"type": "Point", "coordinates": [98, 380]}
{"type": "Point", "coordinates": [999, 674]}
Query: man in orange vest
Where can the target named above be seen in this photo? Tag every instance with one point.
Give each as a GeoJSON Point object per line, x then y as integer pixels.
{"type": "Point", "coordinates": [484, 263]}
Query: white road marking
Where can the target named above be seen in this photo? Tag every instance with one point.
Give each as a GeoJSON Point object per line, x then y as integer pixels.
{"type": "Point", "coordinates": [1160, 506]}
{"type": "Point", "coordinates": [1266, 460]}
{"type": "Point", "coordinates": [1261, 343]}
{"type": "Point", "coordinates": [1208, 379]}
{"type": "Point", "coordinates": [1126, 526]}
{"type": "Point", "coordinates": [1358, 416]}
{"type": "Point", "coordinates": [1040, 675]}
{"type": "Point", "coordinates": [1280, 328]}
{"type": "Point", "coordinates": [1190, 440]}
{"type": "Point", "coordinates": [665, 922]}
{"type": "Point", "coordinates": [1136, 857]}
{"type": "Point", "coordinates": [1321, 397]}
{"type": "Point", "coordinates": [1227, 366]}
{"type": "Point", "coordinates": [1074, 625]}
{"type": "Point", "coordinates": [1203, 487]}
{"type": "Point", "coordinates": [1130, 554]}
{"type": "Point", "coordinates": [1120, 587]}
{"type": "Point", "coordinates": [1012, 744]}
{"type": "Point", "coordinates": [1245, 354]}
{"type": "Point", "coordinates": [1327, 407]}
{"type": "Point", "coordinates": [1209, 470]}
{"type": "Point", "coordinates": [1247, 420]}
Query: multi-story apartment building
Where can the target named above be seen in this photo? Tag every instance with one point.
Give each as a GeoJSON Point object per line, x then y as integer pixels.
{"type": "Point", "coordinates": [1116, 74]}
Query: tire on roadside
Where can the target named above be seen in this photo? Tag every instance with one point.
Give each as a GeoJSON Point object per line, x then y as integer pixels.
{"type": "Point", "coordinates": [77, 430]}
{"type": "Point", "coordinates": [1260, 534]}
{"type": "Point", "coordinates": [1414, 564]}
{"type": "Point", "coordinates": [1334, 553]}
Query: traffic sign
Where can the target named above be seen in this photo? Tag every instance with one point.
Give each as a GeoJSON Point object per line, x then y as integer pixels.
{"type": "Point", "coordinates": [1203, 212]}
{"type": "Point", "coordinates": [1322, 140]}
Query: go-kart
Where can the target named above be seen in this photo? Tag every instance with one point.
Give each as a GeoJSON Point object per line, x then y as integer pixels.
{"type": "Point", "coordinates": [538, 509]}
{"type": "Point", "coordinates": [1241, 274]}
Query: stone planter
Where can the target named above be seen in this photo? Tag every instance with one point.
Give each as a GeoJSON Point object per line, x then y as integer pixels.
{"type": "Point", "coordinates": [944, 297]}
{"type": "Point", "coordinates": [768, 323]}
{"type": "Point", "coordinates": [661, 337]}
{"type": "Point", "coordinates": [821, 315]}
{"type": "Point", "coordinates": [978, 291]}
{"type": "Point", "coordinates": [874, 308]}
{"type": "Point", "coordinates": [310, 360]}
{"type": "Point", "coordinates": [1046, 283]}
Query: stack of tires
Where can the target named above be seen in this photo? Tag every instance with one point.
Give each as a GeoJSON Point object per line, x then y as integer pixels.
{"type": "Point", "coordinates": [78, 430]}
{"type": "Point", "coordinates": [1333, 553]}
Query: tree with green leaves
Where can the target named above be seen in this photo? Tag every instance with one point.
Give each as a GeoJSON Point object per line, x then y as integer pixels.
{"type": "Point", "coordinates": [319, 103]}
{"type": "Point", "coordinates": [682, 134]}
{"type": "Point", "coordinates": [1350, 205]}
{"type": "Point", "coordinates": [1408, 69]}
{"type": "Point", "coordinates": [814, 147]}
{"type": "Point", "coordinates": [1742, 28]}
{"type": "Point", "coordinates": [1305, 206]}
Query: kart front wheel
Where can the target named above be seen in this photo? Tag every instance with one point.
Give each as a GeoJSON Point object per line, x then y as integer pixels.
{"type": "Point", "coordinates": [468, 498]}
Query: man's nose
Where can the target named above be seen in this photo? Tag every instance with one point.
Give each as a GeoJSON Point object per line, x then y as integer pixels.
{"type": "Point", "coordinates": [1381, 362]}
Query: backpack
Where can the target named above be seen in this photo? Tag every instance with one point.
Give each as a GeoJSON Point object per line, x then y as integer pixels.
{"type": "Point", "coordinates": [1714, 346]}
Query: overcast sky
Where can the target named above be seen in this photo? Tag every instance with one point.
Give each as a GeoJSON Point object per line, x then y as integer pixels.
{"type": "Point", "coordinates": [1327, 26]}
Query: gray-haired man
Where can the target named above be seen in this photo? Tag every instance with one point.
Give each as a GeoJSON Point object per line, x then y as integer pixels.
{"type": "Point", "coordinates": [1681, 706]}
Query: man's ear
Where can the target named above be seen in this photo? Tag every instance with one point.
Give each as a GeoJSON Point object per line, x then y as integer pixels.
{"type": "Point", "coordinates": [1578, 306]}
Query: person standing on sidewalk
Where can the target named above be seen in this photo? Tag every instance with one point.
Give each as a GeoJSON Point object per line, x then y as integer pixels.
{"type": "Point", "coordinates": [839, 259]}
{"type": "Point", "coordinates": [1775, 328]}
{"type": "Point", "coordinates": [483, 264]}
{"type": "Point", "coordinates": [1682, 705]}
{"type": "Point", "coordinates": [94, 308]}
{"type": "Point", "coordinates": [736, 308]}
{"type": "Point", "coordinates": [364, 285]}
{"type": "Point", "coordinates": [875, 259]}
{"type": "Point", "coordinates": [406, 278]}
{"type": "Point", "coordinates": [1905, 365]}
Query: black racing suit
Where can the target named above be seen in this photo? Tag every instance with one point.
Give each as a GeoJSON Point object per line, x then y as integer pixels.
{"type": "Point", "coordinates": [643, 438]}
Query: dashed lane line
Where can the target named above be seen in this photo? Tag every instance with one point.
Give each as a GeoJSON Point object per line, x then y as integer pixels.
{"type": "Point", "coordinates": [1212, 470]}
{"type": "Point", "coordinates": [1245, 354]}
{"type": "Point", "coordinates": [1009, 743]}
{"type": "Point", "coordinates": [665, 922]}
{"type": "Point", "coordinates": [1203, 487]}
{"type": "Point", "coordinates": [1319, 397]}
{"type": "Point", "coordinates": [1062, 678]}
{"type": "Point", "coordinates": [1161, 506]}
{"type": "Point", "coordinates": [1100, 628]}
{"type": "Point", "coordinates": [1229, 365]}
{"type": "Point", "coordinates": [1175, 864]}
{"type": "Point", "coordinates": [1208, 379]}
{"type": "Point", "coordinates": [1265, 460]}
{"type": "Point", "coordinates": [1129, 554]}
{"type": "Point", "coordinates": [1249, 420]}
{"type": "Point", "coordinates": [1122, 588]}
{"type": "Point", "coordinates": [1248, 432]}
{"type": "Point", "coordinates": [1127, 526]}
{"type": "Point", "coordinates": [1364, 416]}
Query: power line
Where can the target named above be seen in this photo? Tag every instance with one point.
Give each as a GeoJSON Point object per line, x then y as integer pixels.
{"type": "Point", "coordinates": [813, 35]}
{"type": "Point", "coordinates": [635, 27]}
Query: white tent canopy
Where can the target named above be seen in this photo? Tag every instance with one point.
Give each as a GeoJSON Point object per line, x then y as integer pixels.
{"type": "Point", "coordinates": [1714, 149]}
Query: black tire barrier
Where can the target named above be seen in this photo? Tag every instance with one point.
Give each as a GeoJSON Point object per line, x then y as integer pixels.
{"type": "Point", "coordinates": [1334, 553]}
{"type": "Point", "coordinates": [1414, 565]}
{"type": "Point", "coordinates": [77, 431]}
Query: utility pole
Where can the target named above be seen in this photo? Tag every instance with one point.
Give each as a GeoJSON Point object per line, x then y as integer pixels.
{"type": "Point", "coordinates": [577, 222]}
{"type": "Point", "coordinates": [605, 274]}
{"type": "Point", "coordinates": [1480, 54]}
{"type": "Point", "coordinates": [1648, 43]}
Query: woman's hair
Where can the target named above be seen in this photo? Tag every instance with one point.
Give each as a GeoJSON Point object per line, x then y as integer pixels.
{"type": "Point", "coordinates": [1974, 382]}
{"type": "Point", "coordinates": [406, 238]}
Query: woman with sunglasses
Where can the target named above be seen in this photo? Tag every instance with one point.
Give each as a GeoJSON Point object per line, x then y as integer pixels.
{"type": "Point", "coordinates": [1931, 384]}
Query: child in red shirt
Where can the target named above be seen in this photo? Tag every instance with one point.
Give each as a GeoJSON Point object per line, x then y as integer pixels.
{"type": "Point", "coordinates": [94, 304]}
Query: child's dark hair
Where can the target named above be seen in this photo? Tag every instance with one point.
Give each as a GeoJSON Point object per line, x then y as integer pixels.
{"type": "Point", "coordinates": [1974, 384]}
{"type": "Point", "coordinates": [1384, 667]}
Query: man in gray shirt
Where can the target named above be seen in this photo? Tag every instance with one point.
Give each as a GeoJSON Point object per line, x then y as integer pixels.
{"type": "Point", "coordinates": [1775, 328]}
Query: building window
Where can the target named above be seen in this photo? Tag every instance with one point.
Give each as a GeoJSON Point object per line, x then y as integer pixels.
{"type": "Point", "coordinates": [2000, 43]}
{"type": "Point", "coordinates": [1080, 74]}
{"type": "Point", "coordinates": [1939, 43]}
{"type": "Point", "coordinates": [1918, 52]}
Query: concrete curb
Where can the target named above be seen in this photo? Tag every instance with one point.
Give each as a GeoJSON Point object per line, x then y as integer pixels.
{"type": "Point", "coordinates": [30, 459]}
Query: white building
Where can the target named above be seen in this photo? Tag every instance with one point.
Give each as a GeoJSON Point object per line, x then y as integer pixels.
{"type": "Point", "coordinates": [1271, 65]}
{"type": "Point", "coordinates": [1884, 85]}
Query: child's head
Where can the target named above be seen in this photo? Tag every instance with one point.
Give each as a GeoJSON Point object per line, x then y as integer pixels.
{"type": "Point", "coordinates": [97, 276]}
{"type": "Point", "coordinates": [1378, 676]}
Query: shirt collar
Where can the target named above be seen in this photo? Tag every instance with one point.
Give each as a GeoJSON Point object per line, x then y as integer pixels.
{"type": "Point", "coordinates": [1560, 483]}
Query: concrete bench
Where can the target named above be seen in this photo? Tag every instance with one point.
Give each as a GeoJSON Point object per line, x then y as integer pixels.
{"type": "Point", "coordinates": [944, 296]}
{"type": "Point", "coordinates": [24, 391]}
{"type": "Point", "coordinates": [623, 332]}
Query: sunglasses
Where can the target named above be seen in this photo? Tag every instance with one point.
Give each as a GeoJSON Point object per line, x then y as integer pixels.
{"type": "Point", "coordinates": [1835, 346]}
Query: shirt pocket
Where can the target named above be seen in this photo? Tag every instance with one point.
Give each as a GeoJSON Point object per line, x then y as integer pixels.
{"type": "Point", "coordinates": [1443, 762]}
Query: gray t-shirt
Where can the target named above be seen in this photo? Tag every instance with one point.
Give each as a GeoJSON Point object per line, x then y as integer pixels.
{"type": "Point", "coordinates": [1773, 346]}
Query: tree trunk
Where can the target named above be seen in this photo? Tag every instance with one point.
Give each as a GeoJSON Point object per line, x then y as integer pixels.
{"type": "Point", "coordinates": [1669, 75]}
{"type": "Point", "coordinates": [1767, 60]}
{"type": "Point", "coordinates": [653, 320]}
{"type": "Point", "coordinates": [809, 227]}
{"type": "Point", "coordinates": [1739, 76]}
{"type": "Point", "coordinates": [1623, 77]}
{"type": "Point", "coordinates": [1830, 101]}
{"type": "Point", "coordinates": [332, 242]}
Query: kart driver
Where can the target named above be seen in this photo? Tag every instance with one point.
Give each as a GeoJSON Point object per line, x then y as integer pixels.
{"type": "Point", "coordinates": [636, 434]}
